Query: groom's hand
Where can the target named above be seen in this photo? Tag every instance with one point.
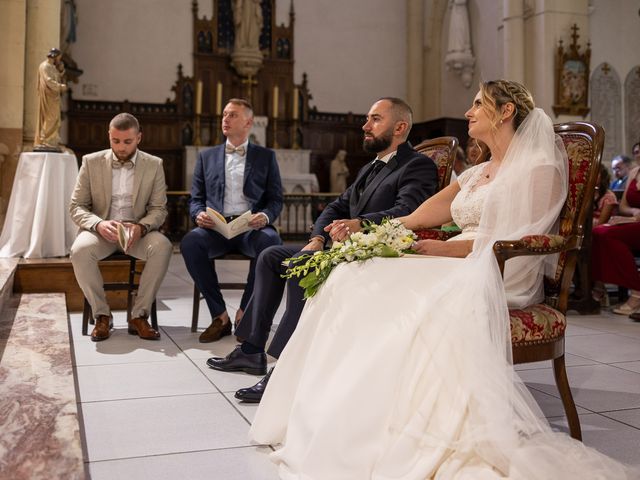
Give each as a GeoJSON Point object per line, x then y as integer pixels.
{"type": "Point", "coordinates": [339, 230]}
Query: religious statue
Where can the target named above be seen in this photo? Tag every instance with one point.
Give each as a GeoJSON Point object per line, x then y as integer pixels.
{"type": "Point", "coordinates": [339, 172]}
{"type": "Point", "coordinates": [247, 18]}
{"type": "Point", "coordinates": [459, 57]}
{"type": "Point", "coordinates": [50, 87]}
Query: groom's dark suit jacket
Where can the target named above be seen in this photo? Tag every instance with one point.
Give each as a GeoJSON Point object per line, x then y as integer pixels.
{"type": "Point", "coordinates": [398, 189]}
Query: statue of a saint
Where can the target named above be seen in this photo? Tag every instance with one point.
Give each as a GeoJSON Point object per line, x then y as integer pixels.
{"type": "Point", "coordinates": [339, 172]}
{"type": "Point", "coordinates": [247, 18]}
{"type": "Point", "coordinates": [50, 87]}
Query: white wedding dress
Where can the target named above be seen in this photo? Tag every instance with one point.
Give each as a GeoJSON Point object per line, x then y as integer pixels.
{"type": "Point", "coordinates": [396, 371]}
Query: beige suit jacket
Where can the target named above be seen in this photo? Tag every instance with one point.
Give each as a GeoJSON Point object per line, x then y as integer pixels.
{"type": "Point", "coordinates": [91, 199]}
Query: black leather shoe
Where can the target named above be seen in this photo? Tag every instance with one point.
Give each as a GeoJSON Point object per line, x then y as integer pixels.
{"type": "Point", "coordinates": [238, 361]}
{"type": "Point", "coordinates": [254, 394]}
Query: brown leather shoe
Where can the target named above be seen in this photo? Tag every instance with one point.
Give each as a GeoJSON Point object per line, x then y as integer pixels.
{"type": "Point", "coordinates": [102, 330]}
{"type": "Point", "coordinates": [215, 331]}
{"type": "Point", "coordinates": [140, 326]}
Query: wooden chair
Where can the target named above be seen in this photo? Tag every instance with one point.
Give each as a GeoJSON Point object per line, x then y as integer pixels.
{"type": "Point", "coordinates": [195, 310]}
{"type": "Point", "coordinates": [130, 286]}
{"type": "Point", "coordinates": [442, 151]}
{"type": "Point", "coordinates": [537, 331]}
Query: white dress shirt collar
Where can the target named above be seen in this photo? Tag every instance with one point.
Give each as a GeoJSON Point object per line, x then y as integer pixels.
{"type": "Point", "coordinates": [387, 157]}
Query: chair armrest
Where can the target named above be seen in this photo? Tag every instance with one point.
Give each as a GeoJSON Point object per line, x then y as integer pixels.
{"type": "Point", "coordinates": [435, 234]}
{"type": "Point", "coordinates": [534, 245]}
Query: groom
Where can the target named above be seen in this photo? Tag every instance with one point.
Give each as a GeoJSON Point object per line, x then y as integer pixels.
{"type": "Point", "coordinates": [393, 185]}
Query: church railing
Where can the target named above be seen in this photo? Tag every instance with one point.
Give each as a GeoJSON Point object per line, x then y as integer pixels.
{"type": "Point", "coordinates": [299, 211]}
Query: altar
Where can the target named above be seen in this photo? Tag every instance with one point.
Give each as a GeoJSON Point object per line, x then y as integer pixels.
{"type": "Point", "coordinates": [38, 224]}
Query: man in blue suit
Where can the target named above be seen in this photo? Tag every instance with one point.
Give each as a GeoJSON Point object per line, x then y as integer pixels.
{"type": "Point", "coordinates": [392, 185]}
{"type": "Point", "coordinates": [231, 178]}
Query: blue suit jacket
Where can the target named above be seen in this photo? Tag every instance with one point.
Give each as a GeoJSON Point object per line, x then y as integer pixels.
{"type": "Point", "coordinates": [401, 186]}
{"type": "Point", "coordinates": [262, 184]}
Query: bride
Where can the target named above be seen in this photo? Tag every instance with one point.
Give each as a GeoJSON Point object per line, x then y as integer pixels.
{"type": "Point", "coordinates": [400, 368]}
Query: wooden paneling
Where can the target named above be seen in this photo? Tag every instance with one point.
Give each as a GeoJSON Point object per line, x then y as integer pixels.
{"type": "Point", "coordinates": [55, 275]}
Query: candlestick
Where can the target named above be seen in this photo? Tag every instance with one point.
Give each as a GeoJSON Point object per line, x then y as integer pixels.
{"type": "Point", "coordinates": [295, 103]}
{"type": "Point", "coordinates": [219, 99]}
{"type": "Point", "coordinates": [199, 97]}
{"type": "Point", "coordinates": [275, 102]}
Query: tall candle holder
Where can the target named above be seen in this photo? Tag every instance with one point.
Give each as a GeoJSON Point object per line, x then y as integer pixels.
{"type": "Point", "coordinates": [275, 132]}
{"type": "Point", "coordinates": [218, 130]}
{"type": "Point", "coordinates": [294, 135]}
{"type": "Point", "coordinates": [197, 141]}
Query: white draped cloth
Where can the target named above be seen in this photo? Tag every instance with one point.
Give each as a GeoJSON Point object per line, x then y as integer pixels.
{"type": "Point", "coordinates": [400, 368]}
{"type": "Point", "coordinates": [38, 224]}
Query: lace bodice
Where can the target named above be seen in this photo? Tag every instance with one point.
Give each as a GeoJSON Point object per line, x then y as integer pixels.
{"type": "Point", "coordinates": [466, 207]}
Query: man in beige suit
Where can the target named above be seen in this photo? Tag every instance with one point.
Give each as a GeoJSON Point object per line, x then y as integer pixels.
{"type": "Point", "coordinates": [122, 185]}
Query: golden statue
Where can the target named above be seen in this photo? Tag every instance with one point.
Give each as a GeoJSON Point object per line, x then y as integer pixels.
{"type": "Point", "coordinates": [50, 87]}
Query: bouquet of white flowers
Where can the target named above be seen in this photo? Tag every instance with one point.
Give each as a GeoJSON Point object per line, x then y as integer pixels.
{"type": "Point", "coordinates": [389, 239]}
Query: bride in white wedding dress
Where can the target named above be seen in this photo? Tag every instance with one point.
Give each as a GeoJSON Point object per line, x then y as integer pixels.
{"type": "Point", "coordinates": [400, 368]}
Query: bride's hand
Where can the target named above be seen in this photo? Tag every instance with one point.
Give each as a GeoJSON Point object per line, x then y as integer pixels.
{"type": "Point", "coordinates": [427, 247]}
{"type": "Point", "coordinates": [440, 248]}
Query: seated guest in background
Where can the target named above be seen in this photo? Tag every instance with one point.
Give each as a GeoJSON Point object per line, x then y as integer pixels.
{"type": "Point", "coordinates": [620, 166]}
{"type": "Point", "coordinates": [605, 204]}
{"type": "Point", "coordinates": [474, 151]}
{"type": "Point", "coordinates": [231, 178]}
{"type": "Point", "coordinates": [635, 151]}
{"type": "Point", "coordinates": [122, 185]}
{"type": "Point", "coordinates": [394, 184]}
{"type": "Point", "coordinates": [605, 201]}
{"type": "Point", "coordinates": [613, 244]}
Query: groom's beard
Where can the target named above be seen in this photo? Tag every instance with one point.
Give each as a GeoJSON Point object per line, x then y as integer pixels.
{"type": "Point", "coordinates": [377, 144]}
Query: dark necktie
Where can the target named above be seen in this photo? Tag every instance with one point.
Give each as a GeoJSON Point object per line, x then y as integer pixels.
{"type": "Point", "coordinates": [377, 166]}
{"type": "Point", "coordinates": [119, 164]}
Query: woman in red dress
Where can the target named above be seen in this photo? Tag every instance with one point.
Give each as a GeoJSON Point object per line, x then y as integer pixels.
{"type": "Point", "coordinates": [614, 244]}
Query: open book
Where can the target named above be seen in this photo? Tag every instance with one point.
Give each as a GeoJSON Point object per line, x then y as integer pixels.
{"type": "Point", "coordinates": [235, 227]}
{"type": "Point", "coordinates": [124, 235]}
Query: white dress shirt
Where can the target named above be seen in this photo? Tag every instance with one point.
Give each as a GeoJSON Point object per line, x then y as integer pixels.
{"type": "Point", "coordinates": [122, 191]}
{"type": "Point", "coordinates": [235, 203]}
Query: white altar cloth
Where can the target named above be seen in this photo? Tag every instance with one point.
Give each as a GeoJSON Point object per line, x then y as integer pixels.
{"type": "Point", "coordinates": [38, 224]}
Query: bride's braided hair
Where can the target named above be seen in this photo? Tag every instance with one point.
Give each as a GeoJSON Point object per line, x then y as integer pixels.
{"type": "Point", "coordinates": [497, 93]}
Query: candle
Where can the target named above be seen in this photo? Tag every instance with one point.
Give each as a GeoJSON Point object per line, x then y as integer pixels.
{"type": "Point", "coordinates": [295, 103]}
{"type": "Point", "coordinates": [275, 102]}
{"type": "Point", "coordinates": [199, 97]}
{"type": "Point", "coordinates": [219, 99]}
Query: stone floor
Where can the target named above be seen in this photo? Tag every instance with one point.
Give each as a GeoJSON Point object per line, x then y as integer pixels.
{"type": "Point", "coordinates": [154, 410]}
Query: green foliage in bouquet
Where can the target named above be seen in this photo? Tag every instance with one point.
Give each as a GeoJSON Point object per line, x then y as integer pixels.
{"type": "Point", "coordinates": [389, 239]}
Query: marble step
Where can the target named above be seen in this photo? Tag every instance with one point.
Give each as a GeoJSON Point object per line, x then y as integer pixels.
{"type": "Point", "coordinates": [39, 428]}
{"type": "Point", "coordinates": [7, 274]}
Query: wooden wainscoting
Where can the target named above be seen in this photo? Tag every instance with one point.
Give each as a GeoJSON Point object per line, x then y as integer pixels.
{"type": "Point", "coordinates": [50, 275]}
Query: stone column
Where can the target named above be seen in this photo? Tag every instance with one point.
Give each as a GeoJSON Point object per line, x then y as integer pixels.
{"type": "Point", "coordinates": [12, 39]}
{"type": "Point", "coordinates": [43, 33]}
{"type": "Point", "coordinates": [513, 40]}
{"type": "Point", "coordinates": [415, 58]}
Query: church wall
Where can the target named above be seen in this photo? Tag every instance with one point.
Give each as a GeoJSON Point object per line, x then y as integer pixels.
{"type": "Point", "coordinates": [615, 37]}
{"type": "Point", "coordinates": [131, 50]}
{"type": "Point", "coordinates": [352, 54]}
{"type": "Point", "coordinates": [615, 34]}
